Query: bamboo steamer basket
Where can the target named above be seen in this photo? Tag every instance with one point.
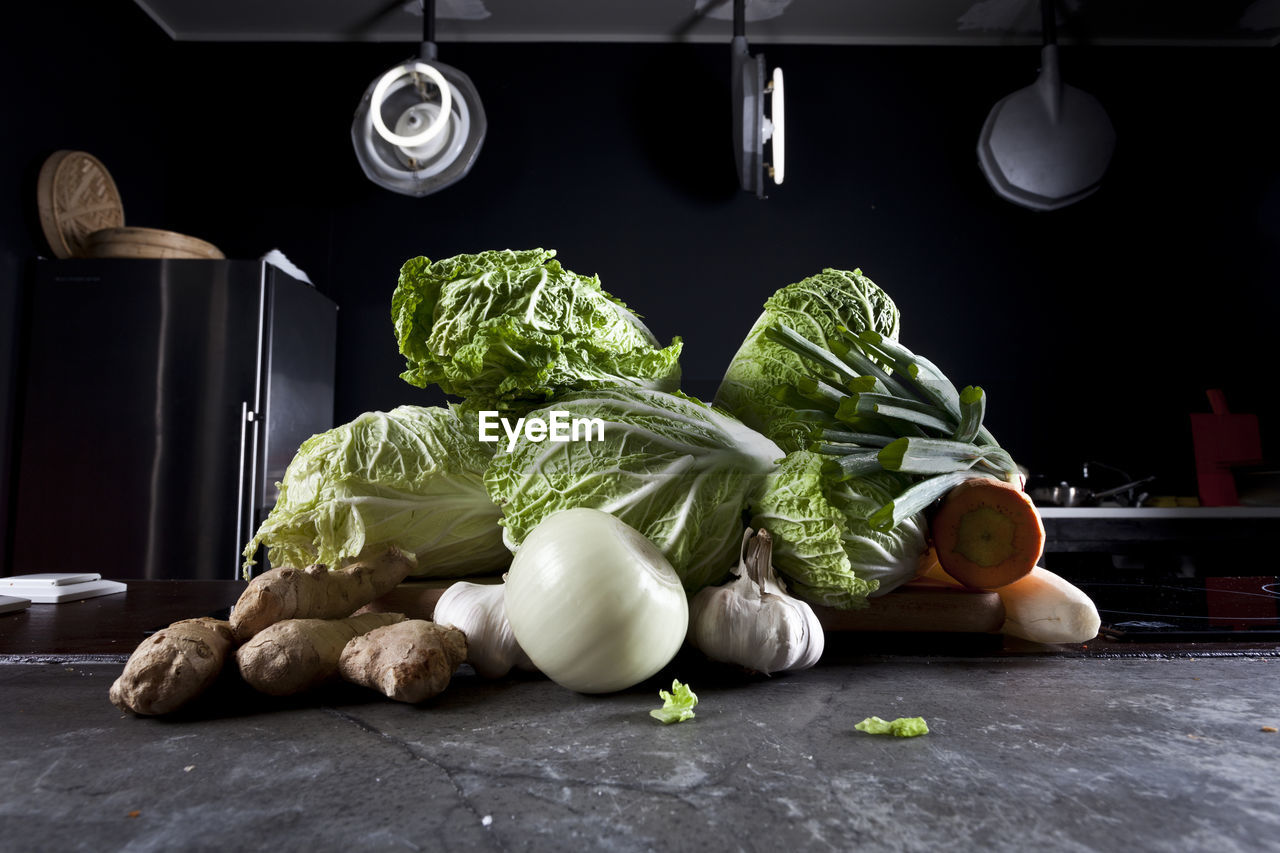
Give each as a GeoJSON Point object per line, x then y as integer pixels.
{"type": "Point", "coordinates": [82, 216]}
{"type": "Point", "coordinates": [76, 197]}
{"type": "Point", "coordinates": [132, 242]}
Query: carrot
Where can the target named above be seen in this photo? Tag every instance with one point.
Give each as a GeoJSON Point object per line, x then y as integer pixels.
{"type": "Point", "coordinates": [987, 533]}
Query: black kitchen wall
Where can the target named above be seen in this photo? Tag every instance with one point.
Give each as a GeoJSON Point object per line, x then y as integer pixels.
{"type": "Point", "coordinates": [1095, 329]}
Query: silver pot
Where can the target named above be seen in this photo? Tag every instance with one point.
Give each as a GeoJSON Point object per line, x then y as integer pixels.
{"type": "Point", "coordinates": [1066, 495]}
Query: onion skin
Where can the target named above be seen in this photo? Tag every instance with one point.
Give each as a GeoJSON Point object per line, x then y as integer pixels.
{"type": "Point", "coordinates": [594, 604]}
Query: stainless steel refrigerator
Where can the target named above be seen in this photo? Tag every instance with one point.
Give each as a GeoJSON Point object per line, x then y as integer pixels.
{"type": "Point", "coordinates": [161, 402]}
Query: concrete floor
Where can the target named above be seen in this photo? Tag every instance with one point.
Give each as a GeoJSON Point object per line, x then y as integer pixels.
{"type": "Point", "coordinates": [1025, 753]}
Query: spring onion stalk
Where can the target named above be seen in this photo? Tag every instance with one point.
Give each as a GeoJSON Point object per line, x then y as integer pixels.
{"type": "Point", "coordinates": [915, 499]}
{"type": "Point", "coordinates": [929, 456]}
{"type": "Point", "coordinates": [930, 381]}
{"type": "Point", "coordinates": [851, 465]}
{"type": "Point", "coordinates": [893, 411]}
{"type": "Point", "coordinates": [857, 439]}
{"type": "Point", "coordinates": [820, 392]}
{"type": "Point", "coordinates": [816, 409]}
{"type": "Point", "coordinates": [805, 348]}
{"type": "Point", "coordinates": [941, 456]}
{"type": "Point", "coordinates": [855, 407]}
{"type": "Point", "coordinates": [846, 347]}
{"type": "Point", "coordinates": [924, 375]}
{"type": "Point", "coordinates": [973, 406]}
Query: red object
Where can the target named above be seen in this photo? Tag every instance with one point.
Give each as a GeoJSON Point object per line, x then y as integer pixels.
{"type": "Point", "coordinates": [1222, 439]}
{"type": "Point", "coordinates": [1239, 604]}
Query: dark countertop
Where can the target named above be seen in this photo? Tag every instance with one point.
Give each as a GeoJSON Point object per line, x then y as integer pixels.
{"type": "Point", "coordinates": [109, 625]}
{"type": "Point", "coordinates": [1030, 748]}
{"type": "Point", "coordinates": [108, 628]}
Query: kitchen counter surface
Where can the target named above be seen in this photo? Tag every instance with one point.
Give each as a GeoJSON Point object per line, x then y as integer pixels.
{"type": "Point", "coordinates": [1028, 749]}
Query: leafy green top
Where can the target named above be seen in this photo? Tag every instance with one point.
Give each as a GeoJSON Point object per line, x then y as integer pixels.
{"type": "Point", "coordinates": [509, 329]}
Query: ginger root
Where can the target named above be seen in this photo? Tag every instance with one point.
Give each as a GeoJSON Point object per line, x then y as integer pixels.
{"type": "Point", "coordinates": [172, 666]}
{"type": "Point", "coordinates": [316, 592]}
{"type": "Point", "coordinates": [297, 654]}
{"type": "Point", "coordinates": [410, 661]}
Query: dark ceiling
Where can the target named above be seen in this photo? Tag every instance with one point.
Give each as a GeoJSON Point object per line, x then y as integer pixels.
{"type": "Point", "coordinates": [872, 22]}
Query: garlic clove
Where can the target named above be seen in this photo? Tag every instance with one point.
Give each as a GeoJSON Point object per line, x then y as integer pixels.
{"type": "Point", "coordinates": [479, 611]}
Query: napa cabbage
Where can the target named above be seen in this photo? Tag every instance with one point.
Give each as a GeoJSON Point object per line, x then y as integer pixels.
{"type": "Point", "coordinates": [510, 330]}
{"type": "Point", "coordinates": [674, 468]}
{"type": "Point", "coordinates": [411, 477]}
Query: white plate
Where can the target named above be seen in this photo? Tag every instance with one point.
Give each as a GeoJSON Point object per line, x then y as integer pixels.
{"type": "Point", "coordinates": [46, 579]}
{"type": "Point", "coordinates": [72, 592]}
{"type": "Point", "coordinates": [10, 604]}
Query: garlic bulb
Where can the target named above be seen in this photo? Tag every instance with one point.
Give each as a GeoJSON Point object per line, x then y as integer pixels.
{"type": "Point", "coordinates": [752, 621]}
{"type": "Point", "coordinates": [479, 611]}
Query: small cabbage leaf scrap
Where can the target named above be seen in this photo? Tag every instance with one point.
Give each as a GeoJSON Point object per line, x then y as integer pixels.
{"type": "Point", "coordinates": [677, 470]}
{"type": "Point", "coordinates": [677, 704]}
{"type": "Point", "coordinates": [901, 727]}
{"type": "Point", "coordinates": [509, 330]}
{"type": "Point", "coordinates": [411, 477]}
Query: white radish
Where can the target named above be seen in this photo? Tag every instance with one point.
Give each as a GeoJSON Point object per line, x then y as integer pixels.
{"type": "Point", "coordinates": [1045, 608]}
{"type": "Point", "coordinates": [1041, 607]}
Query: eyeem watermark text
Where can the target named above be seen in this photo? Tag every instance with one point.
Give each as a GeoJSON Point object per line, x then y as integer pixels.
{"type": "Point", "coordinates": [558, 426]}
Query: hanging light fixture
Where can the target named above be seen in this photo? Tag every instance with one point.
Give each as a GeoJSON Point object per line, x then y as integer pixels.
{"type": "Point", "coordinates": [751, 127]}
{"type": "Point", "coordinates": [1048, 145]}
{"type": "Point", "coordinates": [420, 125]}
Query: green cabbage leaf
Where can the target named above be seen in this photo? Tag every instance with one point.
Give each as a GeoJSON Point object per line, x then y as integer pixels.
{"type": "Point", "coordinates": [817, 308]}
{"type": "Point", "coordinates": [677, 470]}
{"type": "Point", "coordinates": [901, 727]}
{"type": "Point", "coordinates": [677, 704]}
{"type": "Point", "coordinates": [412, 477]}
{"type": "Point", "coordinates": [823, 541]}
{"type": "Point", "coordinates": [509, 330]}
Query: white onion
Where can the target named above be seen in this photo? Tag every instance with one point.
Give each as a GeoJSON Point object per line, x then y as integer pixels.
{"type": "Point", "coordinates": [594, 604]}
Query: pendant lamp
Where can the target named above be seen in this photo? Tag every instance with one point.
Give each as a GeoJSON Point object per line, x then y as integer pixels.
{"type": "Point", "coordinates": [420, 124]}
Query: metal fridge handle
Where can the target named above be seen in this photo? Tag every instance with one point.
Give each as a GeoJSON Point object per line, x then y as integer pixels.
{"type": "Point", "coordinates": [250, 414]}
{"type": "Point", "coordinates": [247, 416]}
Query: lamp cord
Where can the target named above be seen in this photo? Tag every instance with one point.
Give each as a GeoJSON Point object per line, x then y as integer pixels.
{"type": "Point", "coordinates": [1048, 21]}
{"type": "Point", "coordinates": [429, 21]}
{"type": "Point", "coordinates": [739, 18]}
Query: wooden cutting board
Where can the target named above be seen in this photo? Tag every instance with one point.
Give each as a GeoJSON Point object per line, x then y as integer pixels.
{"type": "Point", "coordinates": [918, 607]}
{"type": "Point", "coordinates": [1222, 438]}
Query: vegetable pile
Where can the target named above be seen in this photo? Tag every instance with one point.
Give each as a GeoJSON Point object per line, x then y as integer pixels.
{"type": "Point", "coordinates": [834, 466]}
{"type": "Point", "coordinates": [896, 432]}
